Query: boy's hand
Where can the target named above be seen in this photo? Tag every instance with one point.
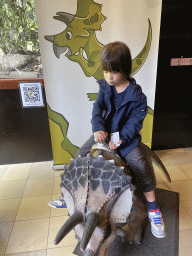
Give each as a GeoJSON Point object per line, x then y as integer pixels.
{"type": "Point", "coordinates": [100, 136]}
{"type": "Point", "coordinates": [113, 146]}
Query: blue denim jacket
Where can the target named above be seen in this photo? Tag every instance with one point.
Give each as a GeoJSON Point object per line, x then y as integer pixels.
{"type": "Point", "coordinates": [128, 118]}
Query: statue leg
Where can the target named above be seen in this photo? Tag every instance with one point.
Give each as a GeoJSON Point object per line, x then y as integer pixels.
{"type": "Point", "coordinates": [136, 219]}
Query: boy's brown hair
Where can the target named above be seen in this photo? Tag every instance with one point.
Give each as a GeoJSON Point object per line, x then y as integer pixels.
{"type": "Point", "coordinates": [116, 56]}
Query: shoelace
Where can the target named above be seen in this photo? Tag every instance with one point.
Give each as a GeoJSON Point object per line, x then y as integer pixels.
{"type": "Point", "coordinates": [157, 219]}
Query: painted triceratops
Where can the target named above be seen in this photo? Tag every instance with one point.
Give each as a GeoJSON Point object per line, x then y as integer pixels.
{"type": "Point", "coordinates": [102, 202]}
{"type": "Point", "coordinates": [80, 42]}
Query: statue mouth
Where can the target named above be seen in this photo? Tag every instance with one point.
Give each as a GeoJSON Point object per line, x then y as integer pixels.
{"type": "Point", "coordinates": [58, 50]}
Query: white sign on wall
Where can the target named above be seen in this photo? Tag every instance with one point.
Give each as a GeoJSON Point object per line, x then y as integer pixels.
{"type": "Point", "coordinates": [31, 94]}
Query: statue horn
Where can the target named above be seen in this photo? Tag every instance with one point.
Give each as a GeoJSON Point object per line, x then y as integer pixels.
{"type": "Point", "coordinates": [91, 224]}
{"type": "Point", "coordinates": [74, 220]}
{"type": "Point", "coordinates": [50, 38]}
{"type": "Point", "coordinates": [64, 17]}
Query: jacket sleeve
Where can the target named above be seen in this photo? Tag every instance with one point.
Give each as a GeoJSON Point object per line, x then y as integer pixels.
{"type": "Point", "coordinates": [135, 121]}
{"type": "Point", "coordinates": [98, 121]}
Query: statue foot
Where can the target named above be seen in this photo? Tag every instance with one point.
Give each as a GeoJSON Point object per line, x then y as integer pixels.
{"type": "Point", "coordinates": [134, 238]}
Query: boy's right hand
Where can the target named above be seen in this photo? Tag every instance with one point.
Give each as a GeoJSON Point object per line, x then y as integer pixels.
{"type": "Point", "coordinates": [100, 136]}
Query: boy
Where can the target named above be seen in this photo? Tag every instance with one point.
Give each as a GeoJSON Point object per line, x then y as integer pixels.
{"type": "Point", "coordinates": [121, 107]}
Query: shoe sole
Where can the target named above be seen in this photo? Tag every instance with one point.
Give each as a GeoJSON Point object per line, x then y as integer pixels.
{"type": "Point", "coordinates": [157, 235]}
{"type": "Point", "coordinates": [53, 206]}
{"type": "Point", "coordinates": [57, 207]}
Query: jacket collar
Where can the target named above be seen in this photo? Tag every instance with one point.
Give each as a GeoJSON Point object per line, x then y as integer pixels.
{"type": "Point", "coordinates": [132, 95]}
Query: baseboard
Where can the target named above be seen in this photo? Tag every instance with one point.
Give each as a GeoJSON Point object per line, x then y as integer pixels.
{"type": "Point", "coordinates": [56, 167]}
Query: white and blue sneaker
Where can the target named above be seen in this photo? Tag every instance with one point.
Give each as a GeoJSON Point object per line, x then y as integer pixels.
{"type": "Point", "coordinates": [157, 223]}
{"type": "Point", "coordinates": [59, 203]}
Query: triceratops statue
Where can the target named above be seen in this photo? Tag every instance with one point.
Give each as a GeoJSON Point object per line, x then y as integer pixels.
{"type": "Point", "coordinates": [103, 200]}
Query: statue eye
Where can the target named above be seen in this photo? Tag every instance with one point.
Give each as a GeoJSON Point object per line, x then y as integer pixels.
{"type": "Point", "coordinates": [69, 35]}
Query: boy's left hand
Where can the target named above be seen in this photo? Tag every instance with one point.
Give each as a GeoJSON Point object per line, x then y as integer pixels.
{"type": "Point", "coordinates": [113, 146]}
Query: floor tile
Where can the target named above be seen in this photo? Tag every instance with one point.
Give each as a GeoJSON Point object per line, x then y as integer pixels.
{"type": "Point", "coordinates": [11, 189]}
{"type": "Point", "coordinates": [57, 188]}
{"type": "Point", "coordinates": [189, 153]}
{"type": "Point", "coordinates": [38, 187]}
{"type": "Point", "coordinates": [188, 207]}
{"type": "Point", "coordinates": [188, 149]}
{"type": "Point", "coordinates": [41, 170]}
{"type": "Point", "coordinates": [5, 231]}
{"type": "Point", "coordinates": [159, 173]}
{"type": "Point", "coordinates": [17, 172]}
{"type": "Point", "coordinates": [176, 174]}
{"type": "Point", "coordinates": [3, 169]}
{"type": "Point", "coordinates": [159, 178]}
{"type": "Point", "coordinates": [28, 235]}
{"type": "Point", "coordinates": [187, 169]}
{"type": "Point", "coordinates": [55, 224]}
{"type": "Point", "coordinates": [165, 158]}
{"type": "Point", "coordinates": [184, 187]}
{"type": "Point", "coordinates": [163, 185]}
{"type": "Point", "coordinates": [34, 208]}
{"type": "Point", "coordinates": [63, 251]}
{"type": "Point", "coordinates": [173, 151]}
{"type": "Point", "coordinates": [181, 158]}
{"type": "Point", "coordinates": [34, 253]}
{"type": "Point", "coordinates": [159, 152]}
{"type": "Point", "coordinates": [185, 221]}
{"type": "Point", "coordinates": [37, 223]}
{"type": "Point", "coordinates": [57, 173]}
{"type": "Point", "coordinates": [58, 212]}
{"type": "Point", "coordinates": [185, 238]}
{"type": "Point", "coordinates": [8, 209]}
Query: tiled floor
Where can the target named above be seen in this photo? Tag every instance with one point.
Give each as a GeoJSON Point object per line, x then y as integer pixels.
{"type": "Point", "coordinates": [28, 225]}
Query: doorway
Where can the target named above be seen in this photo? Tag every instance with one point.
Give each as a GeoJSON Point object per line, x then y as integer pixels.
{"type": "Point", "coordinates": [172, 126]}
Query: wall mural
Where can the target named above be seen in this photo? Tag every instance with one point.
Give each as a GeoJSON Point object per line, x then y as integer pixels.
{"type": "Point", "coordinates": [79, 43]}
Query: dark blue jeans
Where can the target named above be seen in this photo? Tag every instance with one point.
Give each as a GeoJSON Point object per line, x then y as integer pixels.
{"type": "Point", "coordinates": [137, 159]}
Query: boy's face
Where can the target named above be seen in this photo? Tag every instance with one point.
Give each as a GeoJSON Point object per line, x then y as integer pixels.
{"type": "Point", "coordinates": [114, 78]}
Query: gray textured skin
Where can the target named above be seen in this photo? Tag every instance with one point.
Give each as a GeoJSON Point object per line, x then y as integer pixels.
{"type": "Point", "coordinates": [101, 199]}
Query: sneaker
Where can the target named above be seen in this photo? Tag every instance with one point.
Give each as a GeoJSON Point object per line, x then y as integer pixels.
{"type": "Point", "coordinates": [59, 203]}
{"type": "Point", "coordinates": [157, 223]}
